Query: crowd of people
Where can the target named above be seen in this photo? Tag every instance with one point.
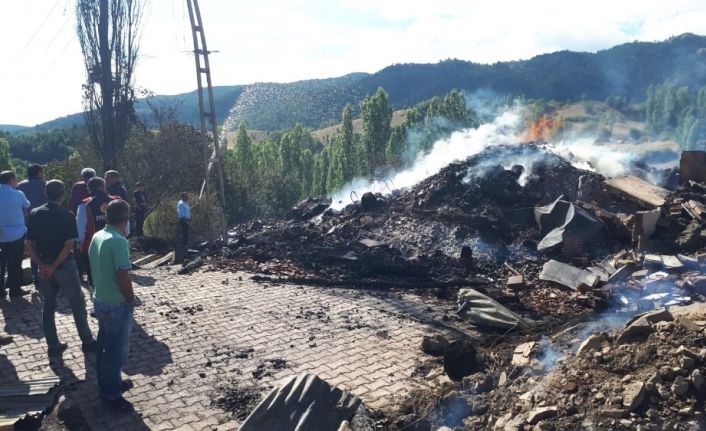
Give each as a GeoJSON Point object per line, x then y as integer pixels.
{"type": "Point", "coordinates": [66, 239]}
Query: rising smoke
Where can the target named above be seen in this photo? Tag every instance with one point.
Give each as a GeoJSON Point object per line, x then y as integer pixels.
{"type": "Point", "coordinates": [507, 128]}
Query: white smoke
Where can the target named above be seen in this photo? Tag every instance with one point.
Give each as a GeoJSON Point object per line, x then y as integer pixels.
{"type": "Point", "coordinates": [505, 129]}
{"type": "Point", "coordinates": [585, 154]}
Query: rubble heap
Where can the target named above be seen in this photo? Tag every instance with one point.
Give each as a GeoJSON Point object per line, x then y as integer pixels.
{"type": "Point", "coordinates": [651, 382]}
{"type": "Point", "coordinates": [461, 227]}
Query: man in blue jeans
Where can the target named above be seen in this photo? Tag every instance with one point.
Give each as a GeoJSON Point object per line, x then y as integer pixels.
{"type": "Point", "coordinates": [51, 232]}
{"type": "Point", "coordinates": [114, 302]}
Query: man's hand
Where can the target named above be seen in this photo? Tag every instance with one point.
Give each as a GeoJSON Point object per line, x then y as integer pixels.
{"type": "Point", "coordinates": [46, 271]}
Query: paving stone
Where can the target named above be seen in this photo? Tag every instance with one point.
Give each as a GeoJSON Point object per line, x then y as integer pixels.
{"type": "Point", "coordinates": [171, 346]}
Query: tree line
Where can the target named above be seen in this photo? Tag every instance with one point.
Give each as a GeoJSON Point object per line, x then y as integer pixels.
{"type": "Point", "coordinates": [677, 111]}
{"type": "Point", "coordinates": [268, 177]}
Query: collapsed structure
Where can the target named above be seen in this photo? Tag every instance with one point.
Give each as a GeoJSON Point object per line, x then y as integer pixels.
{"type": "Point", "coordinates": [554, 258]}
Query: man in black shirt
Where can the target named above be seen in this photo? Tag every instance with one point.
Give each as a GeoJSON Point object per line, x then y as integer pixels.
{"type": "Point", "coordinates": [114, 185]}
{"type": "Point", "coordinates": [51, 230]}
{"type": "Point", "coordinates": [140, 209]}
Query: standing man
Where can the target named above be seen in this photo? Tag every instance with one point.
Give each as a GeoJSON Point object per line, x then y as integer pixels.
{"type": "Point", "coordinates": [13, 207]}
{"type": "Point", "coordinates": [34, 189]}
{"type": "Point", "coordinates": [90, 218]}
{"type": "Point", "coordinates": [114, 185]}
{"type": "Point", "coordinates": [33, 186]}
{"type": "Point", "coordinates": [140, 209]}
{"type": "Point", "coordinates": [79, 191]}
{"type": "Point", "coordinates": [51, 231]}
{"type": "Point", "coordinates": [184, 211]}
{"type": "Point", "coordinates": [114, 302]}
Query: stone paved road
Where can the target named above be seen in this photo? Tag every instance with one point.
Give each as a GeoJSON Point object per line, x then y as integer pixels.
{"type": "Point", "coordinates": [194, 332]}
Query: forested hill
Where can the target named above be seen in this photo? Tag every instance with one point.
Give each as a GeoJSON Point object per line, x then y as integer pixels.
{"type": "Point", "coordinates": [624, 70]}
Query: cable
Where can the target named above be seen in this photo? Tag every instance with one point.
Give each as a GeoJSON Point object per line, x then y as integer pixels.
{"type": "Point", "coordinates": [40, 27]}
{"type": "Point", "coordinates": [56, 36]}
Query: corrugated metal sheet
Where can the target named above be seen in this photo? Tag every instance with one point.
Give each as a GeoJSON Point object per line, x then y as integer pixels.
{"type": "Point", "coordinates": [304, 402]}
{"type": "Point", "coordinates": [19, 400]}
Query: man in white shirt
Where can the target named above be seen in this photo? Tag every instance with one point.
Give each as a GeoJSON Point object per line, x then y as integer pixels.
{"type": "Point", "coordinates": [184, 212]}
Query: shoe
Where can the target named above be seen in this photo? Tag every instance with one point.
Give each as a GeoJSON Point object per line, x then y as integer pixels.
{"type": "Point", "coordinates": [89, 347]}
{"type": "Point", "coordinates": [120, 404]}
{"type": "Point", "coordinates": [59, 349]}
{"type": "Point", "coordinates": [126, 385]}
{"type": "Point", "coordinates": [19, 293]}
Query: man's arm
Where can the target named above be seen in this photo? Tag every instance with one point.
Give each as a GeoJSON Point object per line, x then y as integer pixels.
{"type": "Point", "coordinates": [65, 252]}
{"type": "Point", "coordinates": [32, 246]}
{"type": "Point", "coordinates": [122, 265]}
{"type": "Point", "coordinates": [81, 223]}
{"type": "Point", "coordinates": [125, 284]}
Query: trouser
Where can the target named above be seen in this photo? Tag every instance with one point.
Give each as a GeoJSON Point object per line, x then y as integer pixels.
{"type": "Point", "coordinates": [84, 266]}
{"type": "Point", "coordinates": [11, 254]}
{"type": "Point", "coordinates": [184, 230]}
{"type": "Point", "coordinates": [66, 279]}
{"type": "Point", "coordinates": [139, 222]}
{"type": "Point", "coordinates": [114, 326]}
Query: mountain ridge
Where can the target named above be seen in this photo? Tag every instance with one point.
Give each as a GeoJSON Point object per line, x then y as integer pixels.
{"type": "Point", "coordinates": [623, 70]}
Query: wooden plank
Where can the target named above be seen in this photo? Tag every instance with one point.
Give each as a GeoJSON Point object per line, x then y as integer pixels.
{"type": "Point", "coordinates": [161, 261]}
{"type": "Point", "coordinates": [147, 259]}
{"type": "Point", "coordinates": [695, 209]}
{"type": "Point", "coordinates": [637, 190]}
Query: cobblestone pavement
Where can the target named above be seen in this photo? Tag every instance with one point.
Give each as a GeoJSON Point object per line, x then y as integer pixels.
{"type": "Point", "coordinates": [195, 332]}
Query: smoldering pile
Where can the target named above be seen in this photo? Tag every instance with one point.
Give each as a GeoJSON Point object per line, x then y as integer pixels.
{"type": "Point", "coordinates": [463, 227]}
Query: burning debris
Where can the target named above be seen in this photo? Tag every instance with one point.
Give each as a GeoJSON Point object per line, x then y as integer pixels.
{"type": "Point", "coordinates": [534, 246]}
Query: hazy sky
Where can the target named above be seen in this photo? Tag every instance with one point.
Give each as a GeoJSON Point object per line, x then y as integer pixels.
{"type": "Point", "coordinates": [287, 40]}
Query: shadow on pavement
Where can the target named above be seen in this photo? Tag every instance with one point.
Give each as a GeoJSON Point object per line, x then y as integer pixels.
{"type": "Point", "coordinates": [148, 355]}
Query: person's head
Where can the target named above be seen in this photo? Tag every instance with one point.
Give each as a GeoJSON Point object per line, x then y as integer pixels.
{"type": "Point", "coordinates": [55, 191]}
{"type": "Point", "coordinates": [96, 185]}
{"type": "Point", "coordinates": [184, 196]}
{"type": "Point", "coordinates": [87, 173]}
{"type": "Point", "coordinates": [35, 171]}
{"type": "Point", "coordinates": [140, 186]}
{"type": "Point", "coordinates": [117, 213]}
{"type": "Point", "coordinates": [112, 177]}
{"type": "Point", "coordinates": [8, 178]}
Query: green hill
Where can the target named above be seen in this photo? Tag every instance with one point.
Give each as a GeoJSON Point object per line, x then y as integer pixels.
{"type": "Point", "coordinates": [625, 70]}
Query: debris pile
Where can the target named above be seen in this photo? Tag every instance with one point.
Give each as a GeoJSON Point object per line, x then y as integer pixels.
{"type": "Point", "coordinates": [528, 245]}
{"type": "Point", "coordinates": [652, 382]}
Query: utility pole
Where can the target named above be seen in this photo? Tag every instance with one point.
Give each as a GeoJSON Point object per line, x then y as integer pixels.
{"type": "Point", "coordinates": [208, 112]}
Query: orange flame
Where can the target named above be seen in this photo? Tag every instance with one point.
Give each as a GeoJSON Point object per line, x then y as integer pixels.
{"type": "Point", "coordinates": [543, 129]}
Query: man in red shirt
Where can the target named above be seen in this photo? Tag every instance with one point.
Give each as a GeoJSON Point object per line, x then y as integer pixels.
{"type": "Point", "coordinates": [79, 191]}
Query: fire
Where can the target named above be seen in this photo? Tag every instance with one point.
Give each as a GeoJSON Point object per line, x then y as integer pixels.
{"type": "Point", "coordinates": [543, 129]}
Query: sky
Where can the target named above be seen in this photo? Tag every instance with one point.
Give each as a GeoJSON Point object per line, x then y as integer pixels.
{"type": "Point", "coordinates": [290, 40]}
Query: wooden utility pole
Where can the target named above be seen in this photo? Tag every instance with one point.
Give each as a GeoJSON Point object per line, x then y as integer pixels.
{"type": "Point", "coordinates": [208, 112]}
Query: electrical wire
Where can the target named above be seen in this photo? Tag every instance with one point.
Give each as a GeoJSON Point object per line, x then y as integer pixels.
{"type": "Point", "coordinates": [44, 21]}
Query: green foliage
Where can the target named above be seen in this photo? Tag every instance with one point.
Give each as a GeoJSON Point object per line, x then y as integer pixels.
{"type": "Point", "coordinates": [68, 171]}
{"type": "Point", "coordinates": [163, 221]}
{"type": "Point", "coordinates": [5, 164]}
{"type": "Point", "coordinates": [45, 147]}
{"type": "Point", "coordinates": [167, 161]}
{"type": "Point", "coordinates": [677, 111]}
{"type": "Point", "coordinates": [245, 160]}
{"type": "Point", "coordinates": [348, 144]}
{"type": "Point", "coordinates": [376, 115]}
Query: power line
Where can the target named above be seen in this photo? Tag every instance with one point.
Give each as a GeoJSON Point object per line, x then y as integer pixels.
{"type": "Point", "coordinates": [56, 36]}
{"type": "Point", "coordinates": [40, 26]}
